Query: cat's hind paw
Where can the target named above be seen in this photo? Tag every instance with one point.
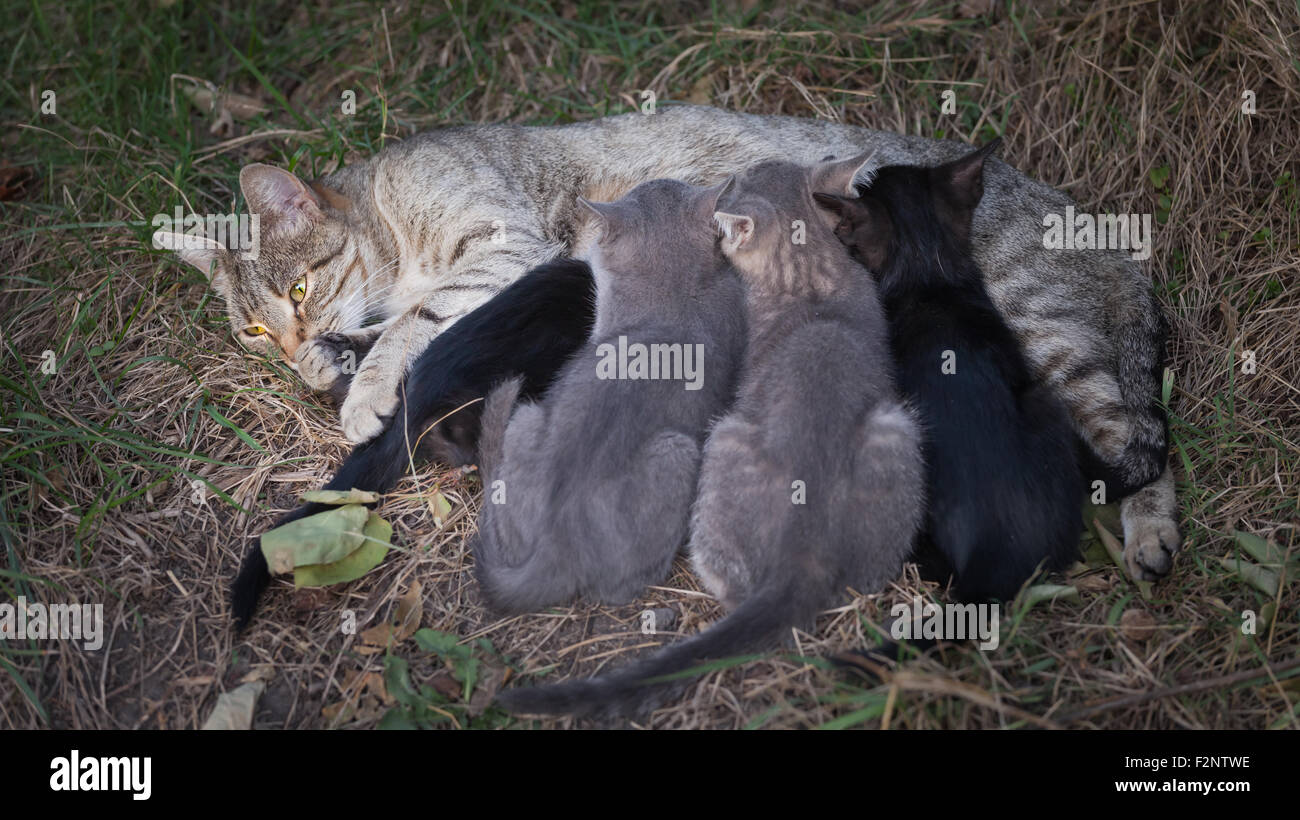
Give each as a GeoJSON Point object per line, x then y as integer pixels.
{"type": "Point", "coordinates": [1149, 547]}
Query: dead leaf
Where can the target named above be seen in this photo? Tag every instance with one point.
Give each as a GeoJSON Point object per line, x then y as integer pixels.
{"type": "Point", "coordinates": [446, 685]}
{"type": "Point", "coordinates": [440, 507]}
{"type": "Point", "coordinates": [406, 619]}
{"type": "Point", "coordinates": [974, 8]}
{"type": "Point", "coordinates": [1091, 582]}
{"type": "Point", "coordinates": [375, 685]}
{"type": "Point", "coordinates": [1137, 625]}
{"type": "Point", "coordinates": [234, 709]}
{"type": "Point", "coordinates": [410, 609]}
{"type": "Point", "coordinates": [263, 671]}
{"type": "Point", "coordinates": [213, 101]}
{"type": "Point", "coordinates": [15, 182]}
{"type": "Point", "coordinates": [701, 91]}
{"type": "Point", "coordinates": [491, 677]}
{"type": "Point", "coordinates": [310, 599]}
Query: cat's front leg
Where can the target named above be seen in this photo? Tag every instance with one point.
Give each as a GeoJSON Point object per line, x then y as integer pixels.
{"type": "Point", "coordinates": [483, 270]}
{"type": "Point", "coordinates": [327, 362]}
{"type": "Point", "coordinates": [372, 395]}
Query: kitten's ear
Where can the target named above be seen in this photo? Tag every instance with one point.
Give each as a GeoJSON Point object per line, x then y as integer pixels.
{"type": "Point", "coordinates": [605, 214]}
{"type": "Point", "coordinates": [707, 202]}
{"type": "Point", "coordinates": [208, 255]}
{"type": "Point", "coordinates": [736, 230]}
{"type": "Point", "coordinates": [279, 198]}
{"type": "Point", "coordinates": [963, 179]}
{"type": "Point", "coordinates": [838, 176]}
{"type": "Point", "coordinates": [840, 206]}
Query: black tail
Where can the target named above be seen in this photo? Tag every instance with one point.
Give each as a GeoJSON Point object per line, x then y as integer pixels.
{"type": "Point", "coordinates": [376, 465]}
{"type": "Point", "coordinates": [530, 329]}
{"type": "Point", "coordinates": [873, 662]}
{"type": "Point", "coordinates": [756, 623]}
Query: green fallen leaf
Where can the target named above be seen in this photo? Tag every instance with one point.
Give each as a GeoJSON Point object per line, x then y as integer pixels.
{"type": "Point", "coordinates": [317, 539]}
{"type": "Point", "coordinates": [353, 496]}
{"type": "Point", "coordinates": [1266, 615]}
{"type": "Point", "coordinates": [459, 657]}
{"type": "Point", "coordinates": [1265, 552]}
{"type": "Point", "coordinates": [1116, 551]}
{"type": "Point", "coordinates": [377, 535]}
{"type": "Point", "coordinates": [1264, 580]}
{"type": "Point", "coordinates": [1048, 592]}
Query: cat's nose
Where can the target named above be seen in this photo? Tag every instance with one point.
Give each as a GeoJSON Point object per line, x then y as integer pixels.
{"type": "Point", "coordinates": [290, 344]}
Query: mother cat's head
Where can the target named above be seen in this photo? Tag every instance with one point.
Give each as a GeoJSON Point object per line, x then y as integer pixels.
{"type": "Point", "coordinates": [303, 275]}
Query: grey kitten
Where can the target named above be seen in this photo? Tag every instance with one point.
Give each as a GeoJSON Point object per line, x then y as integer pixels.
{"type": "Point", "coordinates": [588, 492]}
{"type": "Point", "coordinates": [813, 481]}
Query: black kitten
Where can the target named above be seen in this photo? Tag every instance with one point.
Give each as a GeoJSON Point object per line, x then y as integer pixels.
{"type": "Point", "coordinates": [530, 329]}
{"type": "Point", "coordinates": [1003, 476]}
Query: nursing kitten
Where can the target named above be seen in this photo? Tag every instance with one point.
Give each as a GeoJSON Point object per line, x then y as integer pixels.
{"type": "Point", "coordinates": [813, 481]}
{"type": "Point", "coordinates": [529, 330]}
{"type": "Point", "coordinates": [1003, 485]}
{"type": "Point", "coordinates": [434, 225]}
{"type": "Point", "coordinates": [588, 492]}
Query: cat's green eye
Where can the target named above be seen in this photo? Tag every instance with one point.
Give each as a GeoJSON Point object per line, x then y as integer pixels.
{"type": "Point", "coordinates": [298, 291]}
{"type": "Point", "coordinates": [255, 330]}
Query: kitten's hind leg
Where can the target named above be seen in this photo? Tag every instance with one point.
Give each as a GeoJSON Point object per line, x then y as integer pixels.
{"type": "Point", "coordinates": [497, 410]}
{"type": "Point", "coordinates": [660, 487]}
{"type": "Point", "coordinates": [888, 491]}
{"type": "Point", "coordinates": [720, 525]}
{"type": "Point", "coordinates": [1151, 536]}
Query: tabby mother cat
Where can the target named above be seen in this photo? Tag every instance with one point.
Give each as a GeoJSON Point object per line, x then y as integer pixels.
{"type": "Point", "coordinates": [383, 255]}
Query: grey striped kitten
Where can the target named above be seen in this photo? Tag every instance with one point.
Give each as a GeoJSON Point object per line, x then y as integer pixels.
{"type": "Point", "coordinates": [428, 229]}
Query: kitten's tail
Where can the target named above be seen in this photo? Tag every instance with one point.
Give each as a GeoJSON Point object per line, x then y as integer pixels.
{"type": "Point", "coordinates": [498, 407]}
{"type": "Point", "coordinates": [756, 623]}
{"type": "Point", "coordinates": [509, 584]}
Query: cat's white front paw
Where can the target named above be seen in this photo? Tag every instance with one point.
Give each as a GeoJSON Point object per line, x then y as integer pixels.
{"type": "Point", "coordinates": [371, 401]}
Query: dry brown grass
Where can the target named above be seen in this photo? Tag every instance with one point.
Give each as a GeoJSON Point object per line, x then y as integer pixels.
{"type": "Point", "coordinates": [1091, 97]}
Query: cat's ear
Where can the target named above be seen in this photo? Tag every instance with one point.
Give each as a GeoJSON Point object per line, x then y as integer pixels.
{"type": "Point", "coordinates": [707, 201]}
{"type": "Point", "coordinates": [281, 200]}
{"type": "Point", "coordinates": [736, 230]}
{"type": "Point", "coordinates": [335, 199]}
{"type": "Point", "coordinates": [839, 176]}
{"type": "Point", "coordinates": [208, 255]}
{"type": "Point", "coordinates": [840, 206]}
{"type": "Point", "coordinates": [605, 214]}
{"type": "Point", "coordinates": [963, 179]}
